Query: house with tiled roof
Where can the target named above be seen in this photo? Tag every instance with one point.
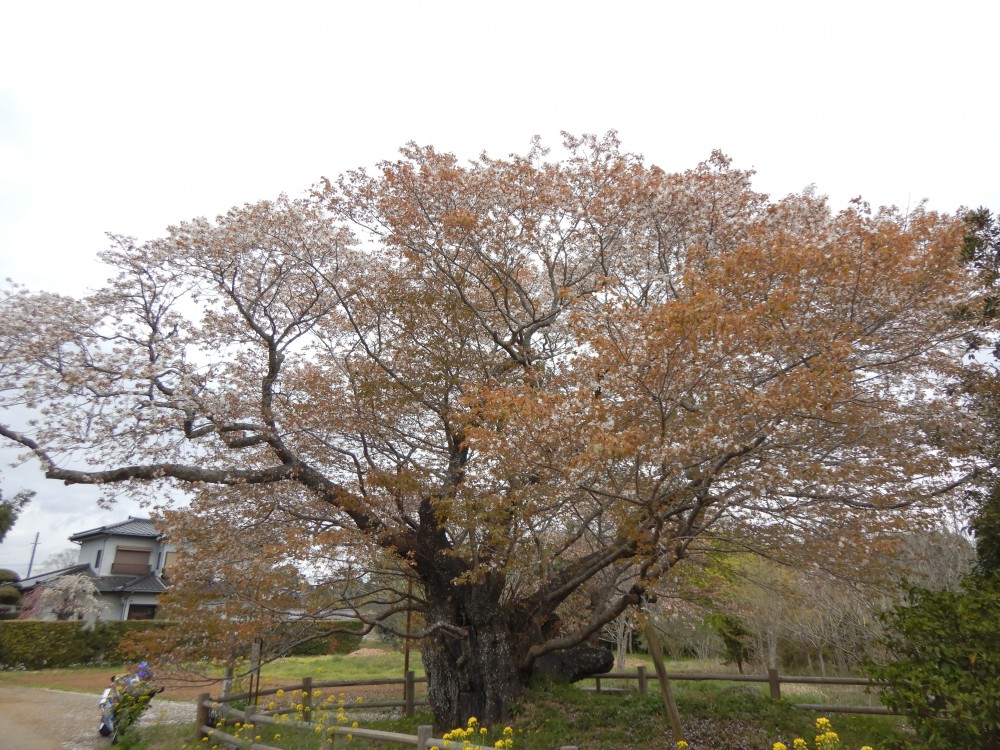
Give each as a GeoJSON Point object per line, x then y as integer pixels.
{"type": "Point", "coordinates": [129, 563]}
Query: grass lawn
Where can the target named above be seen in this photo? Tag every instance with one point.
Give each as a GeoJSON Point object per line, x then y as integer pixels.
{"type": "Point", "coordinates": [366, 663]}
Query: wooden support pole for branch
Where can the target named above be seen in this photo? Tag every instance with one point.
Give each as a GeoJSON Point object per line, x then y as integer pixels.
{"type": "Point", "coordinates": [661, 672]}
{"type": "Point", "coordinates": [406, 640]}
{"type": "Point", "coordinates": [255, 649]}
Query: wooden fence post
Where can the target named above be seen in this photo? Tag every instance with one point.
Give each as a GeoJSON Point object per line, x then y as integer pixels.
{"type": "Point", "coordinates": [307, 698]}
{"type": "Point", "coordinates": [410, 693]}
{"type": "Point", "coordinates": [201, 716]}
{"type": "Point", "coordinates": [643, 680]}
{"type": "Point", "coordinates": [423, 736]}
{"type": "Point", "coordinates": [774, 683]}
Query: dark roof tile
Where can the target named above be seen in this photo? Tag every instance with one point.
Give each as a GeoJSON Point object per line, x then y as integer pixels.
{"type": "Point", "coordinates": [141, 527]}
{"type": "Point", "coordinates": [147, 584]}
{"type": "Point", "coordinates": [28, 583]}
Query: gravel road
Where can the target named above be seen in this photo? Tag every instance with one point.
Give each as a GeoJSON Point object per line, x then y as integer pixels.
{"type": "Point", "coordinates": [39, 719]}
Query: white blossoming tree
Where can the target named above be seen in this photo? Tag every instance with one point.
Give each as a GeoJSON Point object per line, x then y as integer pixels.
{"type": "Point", "coordinates": [529, 388]}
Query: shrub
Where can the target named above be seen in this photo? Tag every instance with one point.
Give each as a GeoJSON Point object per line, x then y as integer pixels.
{"type": "Point", "coordinates": [8, 576]}
{"type": "Point", "coordinates": [9, 595]}
{"type": "Point", "coordinates": [736, 638]}
{"type": "Point", "coordinates": [38, 644]}
{"type": "Point", "coordinates": [944, 664]}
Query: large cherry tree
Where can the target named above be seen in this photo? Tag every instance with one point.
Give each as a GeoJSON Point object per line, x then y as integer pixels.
{"type": "Point", "coordinates": [510, 395]}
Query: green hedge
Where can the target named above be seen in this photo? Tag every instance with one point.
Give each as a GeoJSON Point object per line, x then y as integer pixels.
{"type": "Point", "coordinates": [35, 644]}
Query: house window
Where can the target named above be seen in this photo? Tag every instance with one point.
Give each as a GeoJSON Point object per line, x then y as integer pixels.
{"type": "Point", "coordinates": [141, 611]}
{"type": "Point", "coordinates": [97, 562]}
{"type": "Point", "coordinates": [132, 561]}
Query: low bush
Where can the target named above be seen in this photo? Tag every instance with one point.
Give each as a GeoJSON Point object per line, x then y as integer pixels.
{"type": "Point", "coordinates": [9, 595]}
{"type": "Point", "coordinates": [38, 644]}
{"type": "Point", "coordinates": [943, 664]}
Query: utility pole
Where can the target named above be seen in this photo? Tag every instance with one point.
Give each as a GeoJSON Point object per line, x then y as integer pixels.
{"type": "Point", "coordinates": [32, 560]}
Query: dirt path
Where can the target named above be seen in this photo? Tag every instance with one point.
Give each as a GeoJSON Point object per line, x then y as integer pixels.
{"type": "Point", "coordinates": [39, 719]}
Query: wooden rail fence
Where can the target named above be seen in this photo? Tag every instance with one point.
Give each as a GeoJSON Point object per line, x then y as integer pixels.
{"type": "Point", "coordinates": [423, 740]}
{"type": "Point", "coordinates": [772, 678]}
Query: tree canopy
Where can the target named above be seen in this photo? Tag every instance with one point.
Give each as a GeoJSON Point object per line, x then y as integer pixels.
{"type": "Point", "coordinates": [10, 509]}
{"type": "Point", "coordinates": [530, 387]}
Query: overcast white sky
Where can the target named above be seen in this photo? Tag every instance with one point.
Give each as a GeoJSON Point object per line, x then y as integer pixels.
{"type": "Point", "coordinates": [127, 117]}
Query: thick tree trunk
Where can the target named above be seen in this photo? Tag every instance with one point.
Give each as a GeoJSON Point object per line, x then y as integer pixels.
{"type": "Point", "coordinates": [475, 658]}
{"type": "Point", "coordinates": [470, 660]}
{"type": "Point", "coordinates": [475, 673]}
{"type": "Point", "coordinates": [471, 675]}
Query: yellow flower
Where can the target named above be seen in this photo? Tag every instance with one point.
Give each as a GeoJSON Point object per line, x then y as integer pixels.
{"type": "Point", "coordinates": [779, 746]}
{"type": "Point", "coordinates": [822, 723]}
{"type": "Point", "coordinates": [507, 731]}
{"type": "Point", "coordinates": [800, 744]}
{"type": "Point", "coordinates": [681, 745]}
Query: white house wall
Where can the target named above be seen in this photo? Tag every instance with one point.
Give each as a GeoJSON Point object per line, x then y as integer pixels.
{"type": "Point", "coordinates": [111, 607]}
{"type": "Point", "coordinates": [109, 545]}
{"type": "Point", "coordinates": [88, 555]}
